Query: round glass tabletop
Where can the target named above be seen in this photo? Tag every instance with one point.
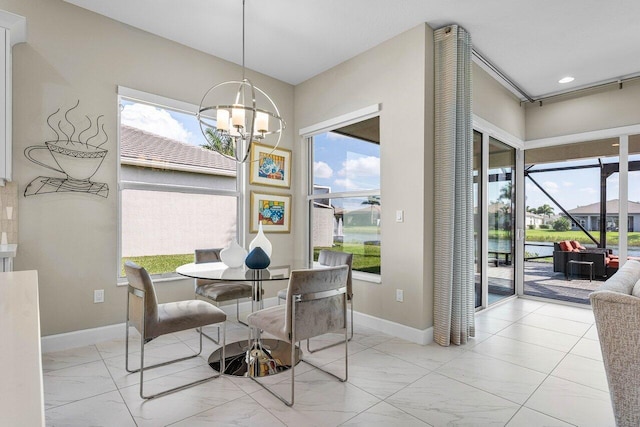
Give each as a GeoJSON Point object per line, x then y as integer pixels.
{"type": "Point", "coordinates": [219, 271]}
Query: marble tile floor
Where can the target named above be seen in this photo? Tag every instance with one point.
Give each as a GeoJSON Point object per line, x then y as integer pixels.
{"type": "Point", "coordinates": [530, 364]}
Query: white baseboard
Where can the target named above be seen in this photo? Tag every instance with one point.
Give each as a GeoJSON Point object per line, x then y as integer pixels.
{"type": "Point", "coordinates": [418, 336]}
{"type": "Point", "coordinates": [82, 338]}
{"type": "Point", "coordinates": [86, 337]}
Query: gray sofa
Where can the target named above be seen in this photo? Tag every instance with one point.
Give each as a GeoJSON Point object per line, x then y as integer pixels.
{"type": "Point", "coordinates": [616, 306]}
{"type": "Point", "coordinates": [596, 255]}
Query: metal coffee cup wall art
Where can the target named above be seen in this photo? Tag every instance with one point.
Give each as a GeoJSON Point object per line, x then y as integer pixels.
{"type": "Point", "coordinates": [75, 156]}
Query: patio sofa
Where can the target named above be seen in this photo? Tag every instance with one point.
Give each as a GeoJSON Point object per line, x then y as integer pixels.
{"type": "Point", "coordinates": [616, 307]}
{"type": "Point", "coordinates": [566, 251]}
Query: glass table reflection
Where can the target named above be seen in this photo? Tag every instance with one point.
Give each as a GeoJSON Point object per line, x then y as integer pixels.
{"type": "Point", "coordinates": [271, 356]}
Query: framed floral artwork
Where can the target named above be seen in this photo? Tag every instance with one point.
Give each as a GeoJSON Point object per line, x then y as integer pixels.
{"type": "Point", "coordinates": [269, 166]}
{"type": "Point", "coordinates": [272, 210]}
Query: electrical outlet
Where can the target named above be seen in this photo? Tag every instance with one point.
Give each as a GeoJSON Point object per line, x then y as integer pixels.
{"type": "Point", "coordinates": [399, 295]}
{"type": "Point", "coordinates": [98, 296]}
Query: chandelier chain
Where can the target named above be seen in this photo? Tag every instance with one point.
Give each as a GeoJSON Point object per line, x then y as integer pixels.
{"type": "Point", "coordinates": [243, 73]}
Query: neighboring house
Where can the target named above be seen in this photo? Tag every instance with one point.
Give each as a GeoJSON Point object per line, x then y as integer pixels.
{"type": "Point", "coordinates": [149, 158]}
{"type": "Point", "coordinates": [589, 216]}
{"type": "Point", "coordinates": [534, 219]}
{"type": "Point", "coordinates": [369, 215]}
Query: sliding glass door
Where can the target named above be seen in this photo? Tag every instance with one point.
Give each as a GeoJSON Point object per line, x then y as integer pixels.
{"type": "Point", "coordinates": [494, 219]}
{"type": "Point", "coordinates": [477, 215]}
{"type": "Point", "coordinates": [501, 223]}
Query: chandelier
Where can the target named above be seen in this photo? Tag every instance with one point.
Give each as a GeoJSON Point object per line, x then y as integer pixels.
{"type": "Point", "coordinates": [235, 113]}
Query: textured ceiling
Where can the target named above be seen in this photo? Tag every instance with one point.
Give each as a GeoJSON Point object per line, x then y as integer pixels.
{"type": "Point", "coordinates": [535, 43]}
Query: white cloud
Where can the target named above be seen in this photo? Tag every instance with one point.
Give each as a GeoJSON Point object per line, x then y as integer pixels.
{"type": "Point", "coordinates": [154, 120]}
{"type": "Point", "coordinates": [589, 190]}
{"type": "Point", "coordinates": [322, 170]}
{"type": "Point", "coordinates": [361, 167]}
{"type": "Point", "coordinates": [550, 187]}
{"type": "Point", "coordinates": [567, 184]}
{"type": "Point", "coordinates": [347, 184]}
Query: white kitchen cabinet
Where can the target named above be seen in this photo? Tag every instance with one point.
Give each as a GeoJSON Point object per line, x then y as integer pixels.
{"type": "Point", "coordinates": [13, 29]}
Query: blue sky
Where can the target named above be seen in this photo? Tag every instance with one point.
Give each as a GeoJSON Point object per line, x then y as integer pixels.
{"type": "Point", "coordinates": [579, 187]}
{"type": "Point", "coordinates": [345, 164]}
{"type": "Point", "coordinates": [171, 124]}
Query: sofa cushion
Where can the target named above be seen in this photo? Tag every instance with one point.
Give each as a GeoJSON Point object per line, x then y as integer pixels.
{"type": "Point", "coordinates": [624, 280]}
{"type": "Point", "coordinates": [636, 289]}
{"type": "Point", "coordinates": [566, 246]}
{"type": "Point", "coordinates": [577, 245]}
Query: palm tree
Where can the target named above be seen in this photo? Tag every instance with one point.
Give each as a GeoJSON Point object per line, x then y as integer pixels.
{"type": "Point", "coordinates": [218, 143]}
{"type": "Point", "coordinates": [372, 200]}
{"type": "Point", "coordinates": [545, 210]}
{"type": "Point", "coordinates": [505, 192]}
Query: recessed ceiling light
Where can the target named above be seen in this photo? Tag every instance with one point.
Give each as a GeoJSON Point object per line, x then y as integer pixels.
{"type": "Point", "coordinates": [567, 79]}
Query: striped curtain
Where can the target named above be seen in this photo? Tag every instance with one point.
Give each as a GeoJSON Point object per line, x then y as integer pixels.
{"type": "Point", "coordinates": [454, 271]}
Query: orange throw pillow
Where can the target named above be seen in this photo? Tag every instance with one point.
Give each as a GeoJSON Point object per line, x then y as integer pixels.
{"type": "Point", "coordinates": [577, 245]}
{"type": "Point", "coordinates": [566, 246]}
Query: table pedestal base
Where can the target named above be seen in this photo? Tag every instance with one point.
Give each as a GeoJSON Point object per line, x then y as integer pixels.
{"type": "Point", "coordinates": [273, 358]}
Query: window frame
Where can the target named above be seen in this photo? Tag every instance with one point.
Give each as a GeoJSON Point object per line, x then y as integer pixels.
{"type": "Point", "coordinates": [307, 135]}
{"type": "Point", "coordinates": [185, 108]}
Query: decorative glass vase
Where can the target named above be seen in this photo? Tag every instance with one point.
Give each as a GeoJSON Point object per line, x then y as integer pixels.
{"type": "Point", "coordinates": [257, 259]}
{"type": "Point", "coordinates": [261, 241]}
{"type": "Point", "coordinates": [234, 255]}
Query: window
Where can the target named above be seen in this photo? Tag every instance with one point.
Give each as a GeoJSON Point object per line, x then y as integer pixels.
{"type": "Point", "coordinates": [175, 195]}
{"type": "Point", "coordinates": [344, 197]}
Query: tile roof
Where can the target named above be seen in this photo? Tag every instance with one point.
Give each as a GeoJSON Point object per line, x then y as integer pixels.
{"type": "Point", "coordinates": [144, 148]}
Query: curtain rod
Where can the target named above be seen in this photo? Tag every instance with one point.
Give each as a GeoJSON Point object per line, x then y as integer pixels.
{"type": "Point", "coordinates": [618, 82]}
{"type": "Point", "coordinates": [502, 75]}
{"type": "Point", "coordinates": [529, 98]}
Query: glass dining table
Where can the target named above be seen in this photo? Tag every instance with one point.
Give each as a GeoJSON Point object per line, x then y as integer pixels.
{"type": "Point", "coordinates": [264, 356]}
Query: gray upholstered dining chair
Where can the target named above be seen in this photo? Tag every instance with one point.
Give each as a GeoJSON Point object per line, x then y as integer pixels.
{"type": "Point", "coordinates": [332, 258]}
{"type": "Point", "coordinates": [315, 304]}
{"type": "Point", "coordinates": [217, 291]}
{"type": "Point", "coordinates": [153, 320]}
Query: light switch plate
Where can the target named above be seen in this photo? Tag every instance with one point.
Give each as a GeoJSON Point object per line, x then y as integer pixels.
{"type": "Point", "coordinates": [98, 296]}
{"type": "Point", "coordinates": [400, 216]}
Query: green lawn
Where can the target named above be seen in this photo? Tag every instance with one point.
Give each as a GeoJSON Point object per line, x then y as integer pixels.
{"type": "Point", "coordinates": [158, 264]}
{"type": "Point", "coordinates": [365, 258]}
{"type": "Point", "coordinates": [557, 236]}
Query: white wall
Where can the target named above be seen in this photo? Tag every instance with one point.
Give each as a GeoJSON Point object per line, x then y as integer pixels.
{"type": "Point", "coordinates": [154, 224]}
{"type": "Point", "coordinates": [495, 104]}
{"type": "Point", "coordinates": [398, 74]}
{"type": "Point", "coordinates": [591, 110]}
{"type": "Point", "coordinates": [71, 238]}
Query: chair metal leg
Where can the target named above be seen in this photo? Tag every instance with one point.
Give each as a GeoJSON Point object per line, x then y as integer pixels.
{"type": "Point", "coordinates": [144, 368]}
{"type": "Point", "coordinates": [292, 369]}
{"type": "Point", "coordinates": [215, 341]}
{"type": "Point", "coordinates": [336, 343]}
{"type": "Point", "coordinates": [346, 356]}
{"type": "Point", "coordinates": [238, 313]}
